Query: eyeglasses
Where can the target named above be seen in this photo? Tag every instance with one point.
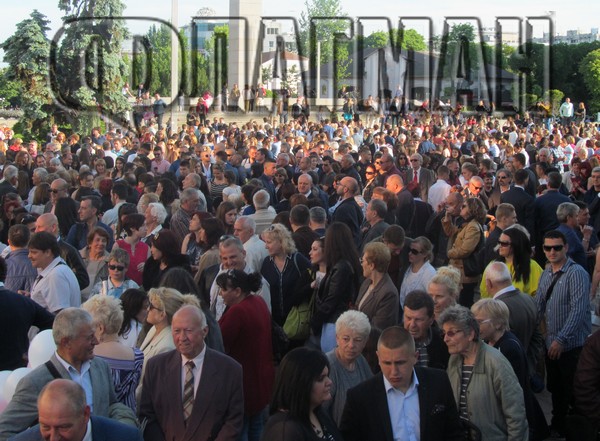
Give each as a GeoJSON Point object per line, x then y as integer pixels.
{"type": "Point", "coordinates": [116, 267]}
{"type": "Point", "coordinates": [414, 160]}
{"type": "Point", "coordinates": [55, 191]}
{"type": "Point", "coordinates": [377, 162]}
{"type": "Point", "coordinates": [151, 307]}
{"type": "Point", "coordinates": [504, 244]}
{"type": "Point", "coordinates": [414, 251]}
{"type": "Point", "coordinates": [451, 334]}
{"type": "Point", "coordinates": [502, 177]}
{"type": "Point", "coordinates": [549, 248]}
{"type": "Point", "coordinates": [476, 188]}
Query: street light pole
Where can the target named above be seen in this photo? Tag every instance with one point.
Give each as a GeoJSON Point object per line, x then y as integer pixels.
{"type": "Point", "coordinates": [174, 65]}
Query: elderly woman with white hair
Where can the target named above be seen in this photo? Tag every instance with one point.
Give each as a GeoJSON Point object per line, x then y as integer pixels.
{"type": "Point", "coordinates": [155, 215]}
{"type": "Point", "coordinates": [493, 318]}
{"type": "Point", "coordinates": [347, 366]}
{"type": "Point", "coordinates": [485, 387]}
{"type": "Point", "coordinates": [125, 362]}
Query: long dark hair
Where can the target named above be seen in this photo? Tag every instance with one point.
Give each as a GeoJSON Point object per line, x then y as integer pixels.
{"type": "Point", "coordinates": [521, 248]}
{"type": "Point", "coordinates": [339, 245]}
{"type": "Point", "coordinates": [299, 369]}
{"type": "Point", "coordinates": [132, 301]}
{"type": "Point", "coordinates": [239, 279]}
{"type": "Point", "coordinates": [66, 213]}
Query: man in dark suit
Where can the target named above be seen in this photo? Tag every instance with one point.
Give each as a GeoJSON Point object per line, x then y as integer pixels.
{"type": "Point", "coordinates": [17, 314]}
{"type": "Point", "coordinates": [301, 232]}
{"type": "Point", "coordinates": [192, 392]}
{"type": "Point", "coordinates": [375, 225]}
{"type": "Point", "coordinates": [348, 212]}
{"type": "Point", "coordinates": [422, 398]}
{"type": "Point", "coordinates": [64, 414]}
{"type": "Point", "coordinates": [425, 177]}
{"type": "Point", "coordinates": [521, 200]}
{"type": "Point", "coordinates": [406, 202]}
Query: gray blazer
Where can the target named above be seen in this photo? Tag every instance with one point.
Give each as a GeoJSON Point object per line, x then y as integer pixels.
{"type": "Point", "coordinates": [22, 412]}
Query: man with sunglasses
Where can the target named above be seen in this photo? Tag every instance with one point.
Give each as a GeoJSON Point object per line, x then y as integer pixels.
{"type": "Point", "coordinates": [563, 306]}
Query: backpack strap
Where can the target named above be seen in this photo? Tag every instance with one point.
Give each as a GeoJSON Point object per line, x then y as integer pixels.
{"type": "Point", "coordinates": [53, 371]}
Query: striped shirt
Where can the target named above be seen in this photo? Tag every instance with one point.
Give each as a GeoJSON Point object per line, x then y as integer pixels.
{"type": "Point", "coordinates": [567, 313]}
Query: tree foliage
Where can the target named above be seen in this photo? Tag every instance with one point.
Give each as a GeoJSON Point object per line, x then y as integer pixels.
{"type": "Point", "coordinates": [10, 90]}
{"type": "Point", "coordinates": [406, 38]}
{"type": "Point", "coordinates": [90, 72]}
{"type": "Point", "coordinates": [590, 70]}
{"type": "Point", "coordinates": [324, 29]}
{"type": "Point", "coordinates": [26, 52]}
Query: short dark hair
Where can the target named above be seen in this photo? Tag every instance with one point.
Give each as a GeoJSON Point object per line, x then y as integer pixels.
{"type": "Point", "coordinates": [396, 337]}
{"type": "Point", "coordinates": [44, 241]}
{"type": "Point", "coordinates": [555, 234]}
{"type": "Point", "coordinates": [19, 235]}
{"type": "Point", "coordinates": [95, 200]}
{"type": "Point", "coordinates": [133, 220]}
{"type": "Point", "coordinates": [394, 234]}
{"type": "Point", "coordinates": [521, 176]}
{"type": "Point", "coordinates": [300, 215]}
{"type": "Point", "coordinates": [121, 189]}
{"type": "Point", "coordinates": [418, 299]}
{"type": "Point", "coordinates": [554, 180]}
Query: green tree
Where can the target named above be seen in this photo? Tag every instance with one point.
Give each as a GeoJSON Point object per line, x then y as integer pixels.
{"type": "Point", "coordinates": [408, 39]}
{"type": "Point", "coordinates": [590, 70]}
{"type": "Point", "coordinates": [91, 72]}
{"type": "Point", "coordinates": [553, 97]}
{"type": "Point", "coordinates": [26, 52]}
{"type": "Point", "coordinates": [10, 90]}
{"type": "Point", "coordinates": [324, 30]}
{"type": "Point", "coordinates": [216, 73]}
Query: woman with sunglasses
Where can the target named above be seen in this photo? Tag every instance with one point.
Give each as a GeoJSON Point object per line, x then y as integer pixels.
{"type": "Point", "coordinates": [246, 330]}
{"type": "Point", "coordinates": [372, 181]}
{"type": "Point", "coordinates": [514, 249]}
{"type": "Point", "coordinates": [420, 271]}
{"type": "Point", "coordinates": [117, 282]}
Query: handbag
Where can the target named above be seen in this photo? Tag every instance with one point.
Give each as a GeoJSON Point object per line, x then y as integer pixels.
{"type": "Point", "coordinates": [297, 323]}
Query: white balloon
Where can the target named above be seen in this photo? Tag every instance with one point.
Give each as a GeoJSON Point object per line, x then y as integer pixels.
{"type": "Point", "coordinates": [3, 377]}
{"type": "Point", "coordinates": [41, 348]}
{"type": "Point", "coordinates": [11, 382]}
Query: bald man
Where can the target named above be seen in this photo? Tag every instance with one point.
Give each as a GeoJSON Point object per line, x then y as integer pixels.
{"type": "Point", "coordinates": [348, 211]}
{"type": "Point", "coordinates": [65, 415]}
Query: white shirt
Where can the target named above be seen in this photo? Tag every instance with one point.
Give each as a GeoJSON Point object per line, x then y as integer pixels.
{"type": "Point", "coordinates": [197, 371]}
{"type": "Point", "coordinates": [255, 252]}
{"type": "Point", "coordinates": [56, 287]}
{"type": "Point", "coordinates": [404, 411]}
{"type": "Point", "coordinates": [503, 290]}
{"type": "Point", "coordinates": [438, 193]}
{"type": "Point", "coordinates": [82, 378]}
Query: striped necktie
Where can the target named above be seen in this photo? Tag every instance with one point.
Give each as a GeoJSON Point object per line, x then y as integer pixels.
{"type": "Point", "coordinates": [188, 390]}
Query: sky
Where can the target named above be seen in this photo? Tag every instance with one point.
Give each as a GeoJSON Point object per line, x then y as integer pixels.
{"type": "Point", "coordinates": [577, 15]}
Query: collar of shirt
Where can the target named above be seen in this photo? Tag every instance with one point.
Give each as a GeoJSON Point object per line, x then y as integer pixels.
{"type": "Point", "coordinates": [57, 261]}
{"type": "Point", "coordinates": [411, 389]}
{"type": "Point", "coordinates": [503, 290]}
{"type": "Point", "coordinates": [85, 366]}
{"type": "Point", "coordinates": [88, 431]}
{"type": "Point", "coordinates": [1, 284]}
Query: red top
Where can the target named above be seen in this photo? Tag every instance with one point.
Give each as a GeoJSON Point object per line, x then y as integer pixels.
{"type": "Point", "coordinates": [141, 255]}
{"type": "Point", "coordinates": [246, 329]}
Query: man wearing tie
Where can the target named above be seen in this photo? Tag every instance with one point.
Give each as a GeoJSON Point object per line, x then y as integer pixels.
{"type": "Point", "coordinates": [424, 177]}
{"type": "Point", "coordinates": [205, 401]}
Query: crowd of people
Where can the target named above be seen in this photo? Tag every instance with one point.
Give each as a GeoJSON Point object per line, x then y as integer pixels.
{"type": "Point", "coordinates": [306, 280]}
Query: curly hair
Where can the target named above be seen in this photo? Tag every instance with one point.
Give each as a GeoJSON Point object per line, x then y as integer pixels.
{"type": "Point", "coordinates": [476, 209]}
{"type": "Point", "coordinates": [282, 234]}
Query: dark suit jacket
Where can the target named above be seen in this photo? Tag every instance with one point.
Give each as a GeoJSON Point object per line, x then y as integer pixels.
{"type": "Point", "coordinates": [523, 203]}
{"type": "Point", "coordinates": [349, 213]}
{"type": "Point", "coordinates": [17, 314]}
{"type": "Point", "coordinates": [426, 180]}
{"type": "Point", "coordinates": [366, 415]}
{"type": "Point", "coordinates": [218, 410]}
{"type": "Point", "coordinates": [304, 238]}
{"type": "Point", "coordinates": [103, 429]}
{"type": "Point", "coordinates": [373, 233]}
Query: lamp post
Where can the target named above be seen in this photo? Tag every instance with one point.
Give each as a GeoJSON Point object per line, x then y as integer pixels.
{"type": "Point", "coordinates": [174, 65]}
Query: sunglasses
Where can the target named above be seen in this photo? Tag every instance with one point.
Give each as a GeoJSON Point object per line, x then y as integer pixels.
{"type": "Point", "coordinates": [369, 173]}
{"type": "Point", "coordinates": [451, 334]}
{"type": "Point", "coordinates": [549, 248]}
{"type": "Point", "coordinates": [116, 267]}
{"type": "Point", "coordinates": [224, 237]}
{"type": "Point", "coordinates": [477, 188]}
{"type": "Point", "coordinates": [55, 191]}
{"type": "Point", "coordinates": [504, 244]}
{"type": "Point", "coordinates": [414, 251]}
{"type": "Point", "coordinates": [414, 160]}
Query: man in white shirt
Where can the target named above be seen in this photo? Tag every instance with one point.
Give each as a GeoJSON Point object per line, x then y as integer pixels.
{"type": "Point", "coordinates": [566, 112]}
{"type": "Point", "coordinates": [403, 402]}
{"type": "Point", "coordinates": [439, 191]}
{"type": "Point", "coordinates": [244, 229]}
{"type": "Point", "coordinates": [55, 287]}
